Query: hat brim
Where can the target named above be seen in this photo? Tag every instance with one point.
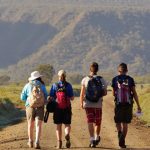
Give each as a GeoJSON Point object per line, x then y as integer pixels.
{"type": "Point", "coordinates": [33, 78]}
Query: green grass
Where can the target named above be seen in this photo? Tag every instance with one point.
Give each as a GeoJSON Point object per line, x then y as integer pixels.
{"type": "Point", "coordinates": [11, 92]}
{"type": "Point", "coordinates": [144, 99]}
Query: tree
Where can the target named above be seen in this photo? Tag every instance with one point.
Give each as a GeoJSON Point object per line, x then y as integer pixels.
{"type": "Point", "coordinates": [4, 79]}
{"type": "Point", "coordinates": [47, 71]}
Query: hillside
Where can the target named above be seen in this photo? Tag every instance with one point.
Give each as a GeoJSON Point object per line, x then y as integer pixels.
{"type": "Point", "coordinates": [70, 35]}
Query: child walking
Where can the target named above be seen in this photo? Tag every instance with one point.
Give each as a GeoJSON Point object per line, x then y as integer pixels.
{"type": "Point", "coordinates": [93, 88]}
{"type": "Point", "coordinates": [124, 92]}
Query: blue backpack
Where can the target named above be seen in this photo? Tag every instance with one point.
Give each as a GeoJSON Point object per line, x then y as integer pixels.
{"type": "Point", "coordinates": [94, 89]}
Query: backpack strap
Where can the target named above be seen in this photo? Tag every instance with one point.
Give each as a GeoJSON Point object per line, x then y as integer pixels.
{"type": "Point", "coordinates": [64, 86]}
{"type": "Point", "coordinates": [96, 79]}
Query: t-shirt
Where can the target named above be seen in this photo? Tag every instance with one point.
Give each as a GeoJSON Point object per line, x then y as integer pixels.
{"type": "Point", "coordinates": [131, 82]}
{"type": "Point", "coordinates": [88, 104]}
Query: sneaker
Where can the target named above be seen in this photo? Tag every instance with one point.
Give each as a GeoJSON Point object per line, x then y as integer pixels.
{"type": "Point", "coordinates": [37, 146]}
{"type": "Point", "coordinates": [68, 143]}
{"type": "Point", "coordinates": [92, 144]}
{"type": "Point", "coordinates": [121, 139]}
{"type": "Point", "coordinates": [59, 144]}
{"type": "Point", "coordinates": [98, 140]}
{"type": "Point", "coordinates": [30, 144]}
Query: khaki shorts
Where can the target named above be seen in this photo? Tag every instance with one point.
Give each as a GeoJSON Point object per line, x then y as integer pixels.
{"type": "Point", "coordinates": [32, 113]}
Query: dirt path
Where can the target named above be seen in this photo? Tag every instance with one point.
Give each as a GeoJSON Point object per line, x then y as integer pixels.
{"type": "Point", "coordinates": [138, 138]}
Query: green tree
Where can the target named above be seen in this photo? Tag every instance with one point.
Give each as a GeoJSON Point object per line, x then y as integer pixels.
{"type": "Point", "coordinates": [4, 79]}
{"type": "Point", "coordinates": [47, 71]}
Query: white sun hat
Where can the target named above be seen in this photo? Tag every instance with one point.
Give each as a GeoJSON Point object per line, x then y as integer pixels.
{"type": "Point", "coordinates": [34, 75]}
{"type": "Point", "coordinates": [61, 72]}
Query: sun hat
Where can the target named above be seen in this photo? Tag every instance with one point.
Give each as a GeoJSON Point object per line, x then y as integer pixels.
{"type": "Point", "coordinates": [34, 75]}
{"type": "Point", "coordinates": [61, 72]}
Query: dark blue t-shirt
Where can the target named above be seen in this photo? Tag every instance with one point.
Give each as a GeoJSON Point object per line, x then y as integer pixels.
{"type": "Point", "coordinates": [131, 82]}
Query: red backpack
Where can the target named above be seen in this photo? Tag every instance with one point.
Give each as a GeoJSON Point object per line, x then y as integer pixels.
{"type": "Point", "coordinates": [63, 100]}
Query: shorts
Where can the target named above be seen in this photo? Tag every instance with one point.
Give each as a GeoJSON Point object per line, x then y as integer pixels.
{"type": "Point", "coordinates": [32, 113]}
{"type": "Point", "coordinates": [123, 114]}
{"type": "Point", "coordinates": [62, 116]}
{"type": "Point", "coordinates": [94, 115]}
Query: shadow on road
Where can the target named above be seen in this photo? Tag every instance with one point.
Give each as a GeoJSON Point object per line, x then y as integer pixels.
{"type": "Point", "coordinates": [9, 114]}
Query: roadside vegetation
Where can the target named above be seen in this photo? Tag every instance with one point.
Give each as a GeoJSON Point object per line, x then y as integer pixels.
{"type": "Point", "coordinates": [143, 91]}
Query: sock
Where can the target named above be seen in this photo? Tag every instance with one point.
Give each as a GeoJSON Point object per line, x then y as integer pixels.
{"type": "Point", "coordinates": [96, 137]}
{"type": "Point", "coordinates": [30, 140]}
{"type": "Point", "coordinates": [91, 139]}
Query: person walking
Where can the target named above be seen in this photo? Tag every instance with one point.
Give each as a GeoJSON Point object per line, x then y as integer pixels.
{"type": "Point", "coordinates": [34, 95]}
{"type": "Point", "coordinates": [124, 92]}
{"type": "Point", "coordinates": [62, 92]}
{"type": "Point", "coordinates": [93, 88]}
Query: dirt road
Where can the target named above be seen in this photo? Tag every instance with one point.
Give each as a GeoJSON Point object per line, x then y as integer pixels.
{"type": "Point", "coordinates": [138, 138]}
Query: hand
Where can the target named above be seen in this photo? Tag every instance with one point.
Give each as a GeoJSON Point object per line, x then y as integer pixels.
{"type": "Point", "coordinates": [49, 99]}
{"type": "Point", "coordinates": [139, 109]}
{"type": "Point", "coordinates": [82, 107]}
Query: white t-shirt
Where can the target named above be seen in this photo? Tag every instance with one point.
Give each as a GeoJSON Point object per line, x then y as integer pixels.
{"type": "Point", "coordinates": [88, 104]}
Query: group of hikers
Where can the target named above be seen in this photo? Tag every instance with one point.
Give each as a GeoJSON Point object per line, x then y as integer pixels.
{"type": "Point", "coordinates": [93, 88]}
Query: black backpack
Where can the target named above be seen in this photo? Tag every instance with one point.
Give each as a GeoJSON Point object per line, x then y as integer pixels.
{"type": "Point", "coordinates": [94, 89]}
{"type": "Point", "coordinates": [50, 108]}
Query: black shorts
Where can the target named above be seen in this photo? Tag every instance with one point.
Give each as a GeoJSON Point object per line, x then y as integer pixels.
{"type": "Point", "coordinates": [62, 116]}
{"type": "Point", "coordinates": [123, 114]}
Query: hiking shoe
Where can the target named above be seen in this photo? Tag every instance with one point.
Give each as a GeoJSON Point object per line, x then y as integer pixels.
{"type": "Point", "coordinates": [37, 146]}
{"type": "Point", "coordinates": [59, 144]}
{"type": "Point", "coordinates": [68, 143]}
{"type": "Point", "coordinates": [98, 140]}
{"type": "Point", "coordinates": [92, 144]}
{"type": "Point", "coordinates": [121, 139]}
{"type": "Point", "coordinates": [30, 144]}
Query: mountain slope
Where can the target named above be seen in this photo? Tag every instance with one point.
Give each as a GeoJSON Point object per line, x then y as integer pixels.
{"type": "Point", "coordinates": [73, 37]}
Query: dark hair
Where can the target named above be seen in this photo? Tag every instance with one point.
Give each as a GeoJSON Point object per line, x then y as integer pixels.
{"type": "Point", "coordinates": [94, 67]}
{"type": "Point", "coordinates": [40, 79]}
{"type": "Point", "coordinates": [122, 67]}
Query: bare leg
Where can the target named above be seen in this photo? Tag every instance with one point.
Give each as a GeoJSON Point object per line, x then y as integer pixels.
{"type": "Point", "coordinates": [125, 129]}
{"type": "Point", "coordinates": [97, 129]}
{"type": "Point", "coordinates": [59, 132]}
{"type": "Point", "coordinates": [38, 130]}
{"type": "Point", "coordinates": [67, 129]}
{"type": "Point", "coordinates": [67, 135]}
{"type": "Point", "coordinates": [30, 130]}
{"type": "Point", "coordinates": [119, 128]}
{"type": "Point", "coordinates": [91, 129]}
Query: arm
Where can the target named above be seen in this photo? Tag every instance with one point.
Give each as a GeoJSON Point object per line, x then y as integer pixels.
{"type": "Point", "coordinates": [52, 93]}
{"type": "Point", "coordinates": [45, 93]}
{"type": "Point", "coordinates": [24, 94]}
{"type": "Point", "coordinates": [104, 84]}
{"type": "Point", "coordinates": [70, 93]}
{"type": "Point", "coordinates": [113, 86]}
{"type": "Point", "coordinates": [113, 91]}
{"type": "Point", "coordinates": [104, 92]}
{"type": "Point", "coordinates": [82, 94]}
{"type": "Point", "coordinates": [135, 96]}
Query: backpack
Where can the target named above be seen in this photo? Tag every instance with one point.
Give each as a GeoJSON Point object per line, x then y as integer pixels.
{"type": "Point", "coordinates": [123, 94]}
{"type": "Point", "coordinates": [94, 89]}
{"type": "Point", "coordinates": [63, 101]}
{"type": "Point", "coordinates": [50, 108]}
{"type": "Point", "coordinates": [36, 98]}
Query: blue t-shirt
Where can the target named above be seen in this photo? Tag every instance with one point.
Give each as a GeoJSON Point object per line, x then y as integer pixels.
{"type": "Point", "coordinates": [69, 90]}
